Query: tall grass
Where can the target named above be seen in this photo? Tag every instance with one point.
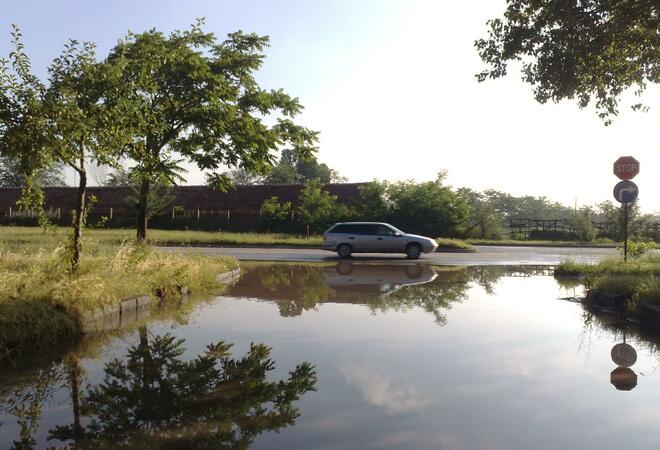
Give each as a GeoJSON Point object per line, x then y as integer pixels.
{"type": "Point", "coordinates": [635, 280]}
{"type": "Point", "coordinates": [648, 264]}
{"type": "Point", "coordinates": [40, 299]}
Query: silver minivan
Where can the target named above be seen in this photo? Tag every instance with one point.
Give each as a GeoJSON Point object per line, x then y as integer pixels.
{"type": "Point", "coordinates": [374, 237]}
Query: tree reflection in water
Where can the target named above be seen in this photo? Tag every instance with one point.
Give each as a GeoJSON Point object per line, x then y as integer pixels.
{"type": "Point", "coordinates": [297, 288]}
{"type": "Point", "coordinates": [26, 404]}
{"type": "Point", "coordinates": [155, 399]}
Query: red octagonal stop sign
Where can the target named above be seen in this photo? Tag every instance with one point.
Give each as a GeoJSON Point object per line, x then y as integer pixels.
{"type": "Point", "coordinates": [626, 167]}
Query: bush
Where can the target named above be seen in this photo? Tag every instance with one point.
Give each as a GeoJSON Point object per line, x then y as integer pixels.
{"type": "Point", "coordinates": [584, 228]}
{"type": "Point", "coordinates": [638, 248]}
{"type": "Point", "coordinates": [273, 213]}
{"type": "Point", "coordinates": [318, 209]}
{"type": "Point", "coordinates": [428, 208]}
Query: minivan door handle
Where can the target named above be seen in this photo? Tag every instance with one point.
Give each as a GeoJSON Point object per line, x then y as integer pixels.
{"type": "Point", "coordinates": [379, 239]}
{"type": "Point", "coordinates": [351, 237]}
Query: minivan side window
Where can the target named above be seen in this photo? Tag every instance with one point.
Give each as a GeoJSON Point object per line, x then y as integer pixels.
{"type": "Point", "coordinates": [384, 230]}
{"type": "Point", "coordinates": [360, 229]}
{"type": "Point", "coordinates": [366, 230]}
{"type": "Point", "coordinates": [341, 229]}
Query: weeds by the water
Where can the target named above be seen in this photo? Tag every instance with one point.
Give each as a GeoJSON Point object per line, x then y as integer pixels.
{"type": "Point", "coordinates": [635, 280]}
{"type": "Point", "coordinates": [39, 297]}
{"type": "Point", "coordinates": [648, 264]}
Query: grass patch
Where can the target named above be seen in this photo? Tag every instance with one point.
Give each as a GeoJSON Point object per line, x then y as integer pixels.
{"type": "Point", "coordinates": [452, 244]}
{"type": "Point", "coordinates": [635, 280]}
{"type": "Point", "coordinates": [19, 237]}
{"type": "Point", "coordinates": [40, 301]}
{"type": "Point", "coordinates": [634, 288]}
{"type": "Point", "coordinates": [648, 264]}
{"type": "Point", "coordinates": [605, 243]}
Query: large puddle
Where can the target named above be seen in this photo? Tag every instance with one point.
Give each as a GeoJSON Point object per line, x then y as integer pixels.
{"type": "Point", "coordinates": [350, 356]}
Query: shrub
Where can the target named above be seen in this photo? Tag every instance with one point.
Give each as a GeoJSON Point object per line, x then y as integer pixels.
{"type": "Point", "coordinates": [273, 213]}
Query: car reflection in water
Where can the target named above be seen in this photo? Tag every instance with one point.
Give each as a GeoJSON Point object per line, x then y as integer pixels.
{"type": "Point", "coordinates": [348, 279]}
{"type": "Point", "coordinates": [299, 288]}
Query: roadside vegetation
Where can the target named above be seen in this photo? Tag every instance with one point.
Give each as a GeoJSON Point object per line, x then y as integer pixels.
{"type": "Point", "coordinates": [453, 244]}
{"type": "Point", "coordinates": [17, 238]}
{"type": "Point", "coordinates": [626, 285]}
{"type": "Point", "coordinates": [605, 243]}
{"type": "Point", "coordinates": [42, 301]}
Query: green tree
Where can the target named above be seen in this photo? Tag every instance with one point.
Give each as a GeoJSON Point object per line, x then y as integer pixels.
{"type": "Point", "coordinates": [84, 127]}
{"type": "Point", "coordinates": [65, 122]}
{"type": "Point", "coordinates": [484, 221]}
{"type": "Point", "coordinates": [161, 195]}
{"type": "Point", "coordinates": [613, 216]}
{"type": "Point", "coordinates": [12, 176]}
{"type": "Point", "coordinates": [274, 213]}
{"type": "Point", "coordinates": [372, 205]}
{"type": "Point", "coordinates": [293, 169]}
{"type": "Point", "coordinates": [584, 228]}
{"type": "Point", "coordinates": [24, 122]}
{"type": "Point", "coordinates": [317, 208]}
{"type": "Point", "coordinates": [430, 208]}
{"type": "Point", "coordinates": [197, 99]}
{"type": "Point", "coordinates": [584, 50]}
{"type": "Point", "coordinates": [243, 177]}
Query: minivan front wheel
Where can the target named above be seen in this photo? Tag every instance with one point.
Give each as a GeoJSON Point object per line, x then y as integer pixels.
{"type": "Point", "coordinates": [413, 251]}
{"type": "Point", "coordinates": [344, 250]}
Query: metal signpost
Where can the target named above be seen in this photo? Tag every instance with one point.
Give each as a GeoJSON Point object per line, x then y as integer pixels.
{"type": "Point", "coordinates": [625, 191]}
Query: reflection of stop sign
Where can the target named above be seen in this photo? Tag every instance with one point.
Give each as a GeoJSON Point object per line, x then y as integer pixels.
{"type": "Point", "coordinates": [624, 355]}
{"type": "Point", "coordinates": [626, 167]}
{"type": "Point", "coordinates": [623, 379]}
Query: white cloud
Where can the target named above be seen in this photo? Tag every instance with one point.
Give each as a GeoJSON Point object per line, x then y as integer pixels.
{"type": "Point", "coordinates": [394, 395]}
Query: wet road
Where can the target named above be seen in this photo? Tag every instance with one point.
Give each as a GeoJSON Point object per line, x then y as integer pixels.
{"type": "Point", "coordinates": [484, 255]}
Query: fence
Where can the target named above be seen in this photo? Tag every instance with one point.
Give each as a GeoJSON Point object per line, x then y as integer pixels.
{"type": "Point", "coordinates": [566, 229]}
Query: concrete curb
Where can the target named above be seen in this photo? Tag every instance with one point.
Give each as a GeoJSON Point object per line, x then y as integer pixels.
{"type": "Point", "coordinates": [229, 277]}
{"type": "Point", "coordinates": [135, 309]}
{"type": "Point", "coordinates": [455, 250]}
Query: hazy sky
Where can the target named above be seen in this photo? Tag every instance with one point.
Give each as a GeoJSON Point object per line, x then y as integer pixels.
{"type": "Point", "coordinates": [390, 85]}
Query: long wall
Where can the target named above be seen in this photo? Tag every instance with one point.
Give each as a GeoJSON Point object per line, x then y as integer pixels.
{"type": "Point", "coordinates": [199, 207]}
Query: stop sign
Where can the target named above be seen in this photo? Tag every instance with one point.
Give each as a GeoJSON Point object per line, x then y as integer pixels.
{"type": "Point", "coordinates": [626, 167]}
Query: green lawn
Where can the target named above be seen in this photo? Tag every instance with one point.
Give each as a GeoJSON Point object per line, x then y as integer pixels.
{"type": "Point", "coordinates": [34, 237]}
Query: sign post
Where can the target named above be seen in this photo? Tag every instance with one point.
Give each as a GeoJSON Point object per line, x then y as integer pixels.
{"type": "Point", "coordinates": [625, 191]}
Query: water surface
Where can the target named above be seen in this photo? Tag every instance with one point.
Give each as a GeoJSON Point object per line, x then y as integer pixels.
{"type": "Point", "coordinates": [349, 356]}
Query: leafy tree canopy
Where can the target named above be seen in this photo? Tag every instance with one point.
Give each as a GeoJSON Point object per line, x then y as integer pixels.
{"type": "Point", "coordinates": [195, 98]}
{"type": "Point", "coordinates": [584, 50]}
{"type": "Point", "coordinates": [318, 208]}
{"type": "Point", "coordinates": [12, 176]}
{"type": "Point", "coordinates": [292, 169]}
{"type": "Point", "coordinates": [430, 208]}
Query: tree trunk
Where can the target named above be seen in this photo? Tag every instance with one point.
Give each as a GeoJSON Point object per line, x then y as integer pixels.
{"type": "Point", "coordinates": [79, 221]}
{"type": "Point", "coordinates": [142, 210]}
{"type": "Point", "coordinates": [74, 380]}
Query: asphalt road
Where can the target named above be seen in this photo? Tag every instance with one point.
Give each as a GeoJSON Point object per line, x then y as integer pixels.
{"type": "Point", "coordinates": [484, 255]}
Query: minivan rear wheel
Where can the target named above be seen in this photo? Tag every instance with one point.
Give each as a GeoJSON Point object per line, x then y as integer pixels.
{"type": "Point", "coordinates": [344, 250]}
{"type": "Point", "coordinates": [413, 251]}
